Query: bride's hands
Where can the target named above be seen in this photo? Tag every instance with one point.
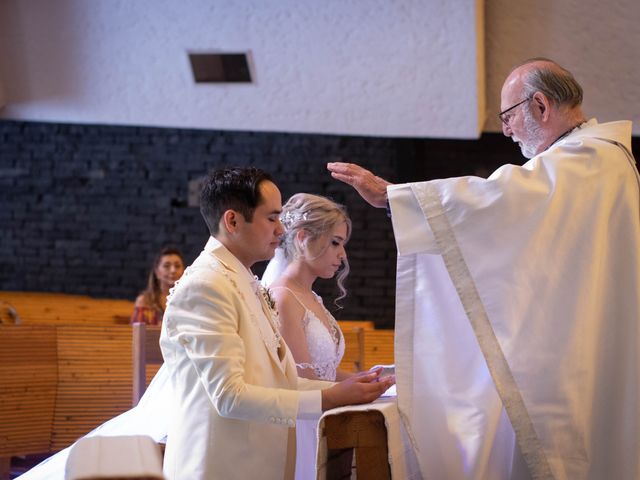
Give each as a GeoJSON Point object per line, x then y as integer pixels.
{"type": "Point", "coordinates": [386, 369]}
{"type": "Point", "coordinates": [363, 387]}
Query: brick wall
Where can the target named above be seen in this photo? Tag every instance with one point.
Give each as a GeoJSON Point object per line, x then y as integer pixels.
{"type": "Point", "coordinates": [84, 208]}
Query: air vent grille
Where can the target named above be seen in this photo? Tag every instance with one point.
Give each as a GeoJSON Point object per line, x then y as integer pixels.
{"type": "Point", "coordinates": [220, 67]}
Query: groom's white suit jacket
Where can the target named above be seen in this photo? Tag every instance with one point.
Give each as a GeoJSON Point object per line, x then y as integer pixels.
{"type": "Point", "coordinates": [236, 393]}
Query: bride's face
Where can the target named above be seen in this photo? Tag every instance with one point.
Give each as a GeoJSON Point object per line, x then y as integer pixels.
{"type": "Point", "coordinates": [325, 255]}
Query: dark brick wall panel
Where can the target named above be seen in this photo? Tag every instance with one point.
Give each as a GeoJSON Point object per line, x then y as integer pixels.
{"type": "Point", "coordinates": [83, 208]}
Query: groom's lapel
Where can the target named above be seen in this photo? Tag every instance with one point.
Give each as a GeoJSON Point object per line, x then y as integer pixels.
{"type": "Point", "coordinates": [259, 306]}
{"type": "Point", "coordinates": [241, 280]}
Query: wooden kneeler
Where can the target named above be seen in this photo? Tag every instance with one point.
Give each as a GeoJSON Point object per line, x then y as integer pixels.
{"type": "Point", "coordinates": [363, 432]}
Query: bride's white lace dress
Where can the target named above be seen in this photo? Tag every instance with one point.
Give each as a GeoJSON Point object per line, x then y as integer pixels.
{"type": "Point", "coordinates": [326, 349]}
{"type": "Point", "coordinates": [151, 415]}
{"type": "Point", "coordinates": [325, 345]}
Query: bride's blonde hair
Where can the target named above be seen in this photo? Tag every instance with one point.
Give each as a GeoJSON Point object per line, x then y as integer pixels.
{"type": "Point", "coordinates": [316, 216]}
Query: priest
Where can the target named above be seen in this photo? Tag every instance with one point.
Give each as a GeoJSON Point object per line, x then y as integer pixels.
{"type": "Point", "coordinates": [517, 310]}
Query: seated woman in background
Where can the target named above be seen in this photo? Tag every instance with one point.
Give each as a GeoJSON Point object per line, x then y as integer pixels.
{"type": "Point", "coordinates": [312, 247]}
{"type": "Point", "coordinates": [168, 267]}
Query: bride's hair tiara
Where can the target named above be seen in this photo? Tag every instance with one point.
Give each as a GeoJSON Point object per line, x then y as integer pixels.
{"type": "Point", "coordinates": [289, 218]}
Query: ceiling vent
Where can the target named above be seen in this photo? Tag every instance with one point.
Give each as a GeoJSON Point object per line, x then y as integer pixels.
{"type": "Point", "coordinates": [220, 67]}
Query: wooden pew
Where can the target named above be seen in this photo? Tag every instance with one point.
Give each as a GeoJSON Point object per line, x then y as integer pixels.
{"type": "Point", "coordinates": [94, 379]}
{"type": "Point", "coordinates": [84, 372]}
{"type": "Point", "coordinates": [57, 383]}
{"type": "Point", "coordinates": [353, 358]}
{"type": "Point", "coordinates": [59, 308]}
{"type": "Point", "coordinates": [28, 374]}
{"type": "Point", "coordinates": [346, 325]}
{"type": "Point", "coordinates": [378, 348]}
{"type": "Point", "coordinates": [366, 347]}
{"type": "Point", "coordinates": [147, 357]}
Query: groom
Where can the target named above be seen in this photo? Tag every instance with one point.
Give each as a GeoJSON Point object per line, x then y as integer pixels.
{"type": "Point", "coordinates": [237, 393]}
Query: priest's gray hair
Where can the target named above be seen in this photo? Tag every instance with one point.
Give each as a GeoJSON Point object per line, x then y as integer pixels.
{"type": "Point", "coordinates": [317, 216]}
{"type": "Point", "coordinates": [556, 82]}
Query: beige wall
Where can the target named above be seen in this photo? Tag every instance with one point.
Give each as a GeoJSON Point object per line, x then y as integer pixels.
{"type": "Point", "coordinates": [423, 68]}
{"type": "Point", "coordinates": [598, 41]}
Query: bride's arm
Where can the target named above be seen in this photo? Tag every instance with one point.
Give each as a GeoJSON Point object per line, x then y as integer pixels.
{"type": "Point", "coordinates": [343, 375]}
{"type": "Point", "coordinates": [291, 315]}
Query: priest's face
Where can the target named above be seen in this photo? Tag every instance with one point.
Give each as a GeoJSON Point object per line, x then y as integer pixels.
{"type": "Point", "coordinates": [519, 118]}
{"type": "Point", "coordinates": [529, 135]}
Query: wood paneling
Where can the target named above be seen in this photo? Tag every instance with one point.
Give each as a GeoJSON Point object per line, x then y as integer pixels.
{"type": "Point", "coordinates": [147, 357]}
{"type": "Point", "coordinates": [353, 358]}
{"type": "Point", "coordinates": [94, 379]}
{"type": "Point", "coordinates": [28, 373]}
{"type": "Point", "coordinates": [378, 348]}
{"type": "Point", "coordinates": [346, 325]}
{"type": "Point", "coordinates": [366, 347]}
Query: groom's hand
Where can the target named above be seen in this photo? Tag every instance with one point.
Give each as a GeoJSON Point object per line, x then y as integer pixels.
{"type": "Point", "coordinates": [361, 388]}
{"type": "Point", "coordinates": [373, 189]}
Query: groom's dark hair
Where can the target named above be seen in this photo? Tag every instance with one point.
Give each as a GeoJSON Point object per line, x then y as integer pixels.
{"type": "Point", "coordinates": [231, 189]}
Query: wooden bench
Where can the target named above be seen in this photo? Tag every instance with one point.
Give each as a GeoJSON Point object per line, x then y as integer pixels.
{"type": "Point", "coordinates": [61, 376]}
{"type": "Point", "coordinates": [59, 308]}
{"type": "Point", "coordinates": [95, 379]}
{"type": "Point", "coordinates": [353, 358]}
{"type": "Point", "coordinates": [346, 325]}
{"type": "Point", "coordinates": [378, 348]}
{"type": "Point", "coordinates": [59, 382]}
{"type": "Point", "coordinates": [147, 357]}
{"type": "Point", "coordinates": [28, 377]}
{"type": "Point", "coordinates": [366, 347]}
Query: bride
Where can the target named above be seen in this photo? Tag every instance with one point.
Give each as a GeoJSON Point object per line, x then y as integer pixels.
{"type": "Point", "coordinates": [316, 230]}
{"type": "Point", "coordinates": [312, 247]}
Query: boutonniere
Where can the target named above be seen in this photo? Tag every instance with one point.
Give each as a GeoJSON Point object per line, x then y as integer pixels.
{"type": "Point", "coordinates": [266, 294]}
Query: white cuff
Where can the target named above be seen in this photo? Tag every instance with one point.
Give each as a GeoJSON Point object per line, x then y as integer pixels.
{"type": "Point", "coordinates": [309, 404]}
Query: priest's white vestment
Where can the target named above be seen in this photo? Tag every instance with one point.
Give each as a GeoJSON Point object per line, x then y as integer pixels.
{"type": "Point", "coordinates": [548, 253]}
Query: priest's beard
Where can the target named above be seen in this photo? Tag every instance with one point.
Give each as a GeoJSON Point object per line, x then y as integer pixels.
{"type": "Point", "coordinates": [534, 143]}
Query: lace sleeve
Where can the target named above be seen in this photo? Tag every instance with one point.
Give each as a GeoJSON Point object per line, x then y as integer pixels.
{"type": "Point", "coordinates": [323, 371]}
{"type": "Point", "coordinates": [305, 365]}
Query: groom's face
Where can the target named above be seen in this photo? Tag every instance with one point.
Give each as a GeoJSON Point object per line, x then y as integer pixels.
{"type": "Point", "coordinates": [259, 238]}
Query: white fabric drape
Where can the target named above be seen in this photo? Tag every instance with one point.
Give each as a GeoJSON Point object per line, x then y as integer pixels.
{"type": "Point", "coordinates": [552, 249]}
